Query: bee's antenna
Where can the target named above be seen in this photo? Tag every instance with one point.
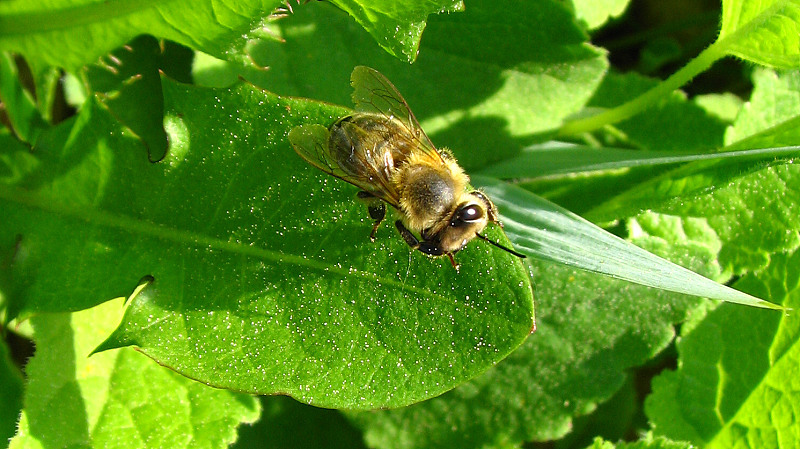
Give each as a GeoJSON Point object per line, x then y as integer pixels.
{"type": "Point", "coordinates": [486, 239]}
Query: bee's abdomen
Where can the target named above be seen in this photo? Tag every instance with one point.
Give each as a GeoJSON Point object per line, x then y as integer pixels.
{"type": "Point", "coordinates": [362, 146]}
{"type": "Point", "coordinates": [347, 150]}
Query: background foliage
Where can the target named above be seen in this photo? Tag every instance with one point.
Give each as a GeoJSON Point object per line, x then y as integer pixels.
{"type": "Point", "coordinates": [144, 157]}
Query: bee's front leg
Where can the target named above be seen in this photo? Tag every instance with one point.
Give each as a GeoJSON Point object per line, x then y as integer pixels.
{"type": "Point", "coordinates": [426, 246]}
{"type": "Point", "coordinates": [376, 208]}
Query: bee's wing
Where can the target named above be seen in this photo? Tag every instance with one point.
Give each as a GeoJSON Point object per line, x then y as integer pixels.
{"type": "Point", "coordinates": [373, 93]}
{"type": "Point", "coordinates": [311, 143]}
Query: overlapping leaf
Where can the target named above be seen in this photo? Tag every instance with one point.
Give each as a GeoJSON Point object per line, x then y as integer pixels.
{"type": "Point", "coordinates": [70, 34]}
{"type": "Point", "coordinates": [764, 32]}
{"type": "Point", "coordinates": [397, 25]}
{"type": "Point", "coordinates": [738, 376]}
{"type": "Point", "coordinates": [486, 81]}
{"type": "Point", "coordinates": [116, 399]}
{"type": "Point", "coordinates": [772, 116]}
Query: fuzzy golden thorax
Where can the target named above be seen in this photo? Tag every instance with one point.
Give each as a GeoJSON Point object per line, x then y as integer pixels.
{"type": "Point", "coordinates": [429, 191]}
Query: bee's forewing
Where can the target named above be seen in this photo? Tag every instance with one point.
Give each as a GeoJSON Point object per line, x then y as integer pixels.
{"type": "Point", "coordinates": [374, 94]}
{"type": "Point", "coordinates": [311, 143]}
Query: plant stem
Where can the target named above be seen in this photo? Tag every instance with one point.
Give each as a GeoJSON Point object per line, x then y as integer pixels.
{"type": "Point", "coordinates": [696, 66]}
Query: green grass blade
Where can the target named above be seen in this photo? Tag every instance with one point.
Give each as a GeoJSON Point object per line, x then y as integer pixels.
{"type": "Point", "coordinates": [561, 158]}
{"type": "Point", "coordinates": [547, 231]}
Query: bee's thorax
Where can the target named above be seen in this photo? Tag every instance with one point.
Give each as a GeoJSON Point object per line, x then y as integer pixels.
{"type": "Point", "coordinates": [428, 193]}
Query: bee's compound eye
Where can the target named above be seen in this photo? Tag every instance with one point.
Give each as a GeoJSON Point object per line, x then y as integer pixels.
{"type": "Point", "coordinates": [467, 214]}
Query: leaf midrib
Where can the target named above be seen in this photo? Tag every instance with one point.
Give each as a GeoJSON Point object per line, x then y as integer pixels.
{"type": "Point", "coordinates": [91, 215]}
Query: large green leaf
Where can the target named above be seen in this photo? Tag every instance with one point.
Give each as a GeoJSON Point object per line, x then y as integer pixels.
{"type": "Point", "coordinates": [737, 382]}
{"type": "Point", "coordinates": [259, 274]}
{"type": "Point", "coordinates": [119, 398]}
{"type": "Point", "coordinates": [69, 34]}
{"type": "Point", "coordinates": [772, 117]}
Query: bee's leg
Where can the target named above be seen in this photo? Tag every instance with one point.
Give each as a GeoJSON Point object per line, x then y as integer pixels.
{"type": "Point", "coordinates": [410, 238]}
{"type": "Point", "coordinates": [453, 261]}
{"type": "Point", "coordinates": [377, 213]}
{"type": "Point", "coordinates": [376, 209]}
{"type": "Point", "coordinates": [426, 246]}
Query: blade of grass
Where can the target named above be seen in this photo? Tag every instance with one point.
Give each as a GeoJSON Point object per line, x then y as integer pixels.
{"type": "Point", "coordinates": [559, 158]}
{"type": "Point", "coordinates": [545, 230]}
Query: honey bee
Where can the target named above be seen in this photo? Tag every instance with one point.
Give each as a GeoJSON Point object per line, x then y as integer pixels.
{"type": "Point", "coordinates": [382, 150]}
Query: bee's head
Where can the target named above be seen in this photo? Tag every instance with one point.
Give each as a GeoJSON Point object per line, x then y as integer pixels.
{"type": "Point", "coordinates": [467, 221]}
